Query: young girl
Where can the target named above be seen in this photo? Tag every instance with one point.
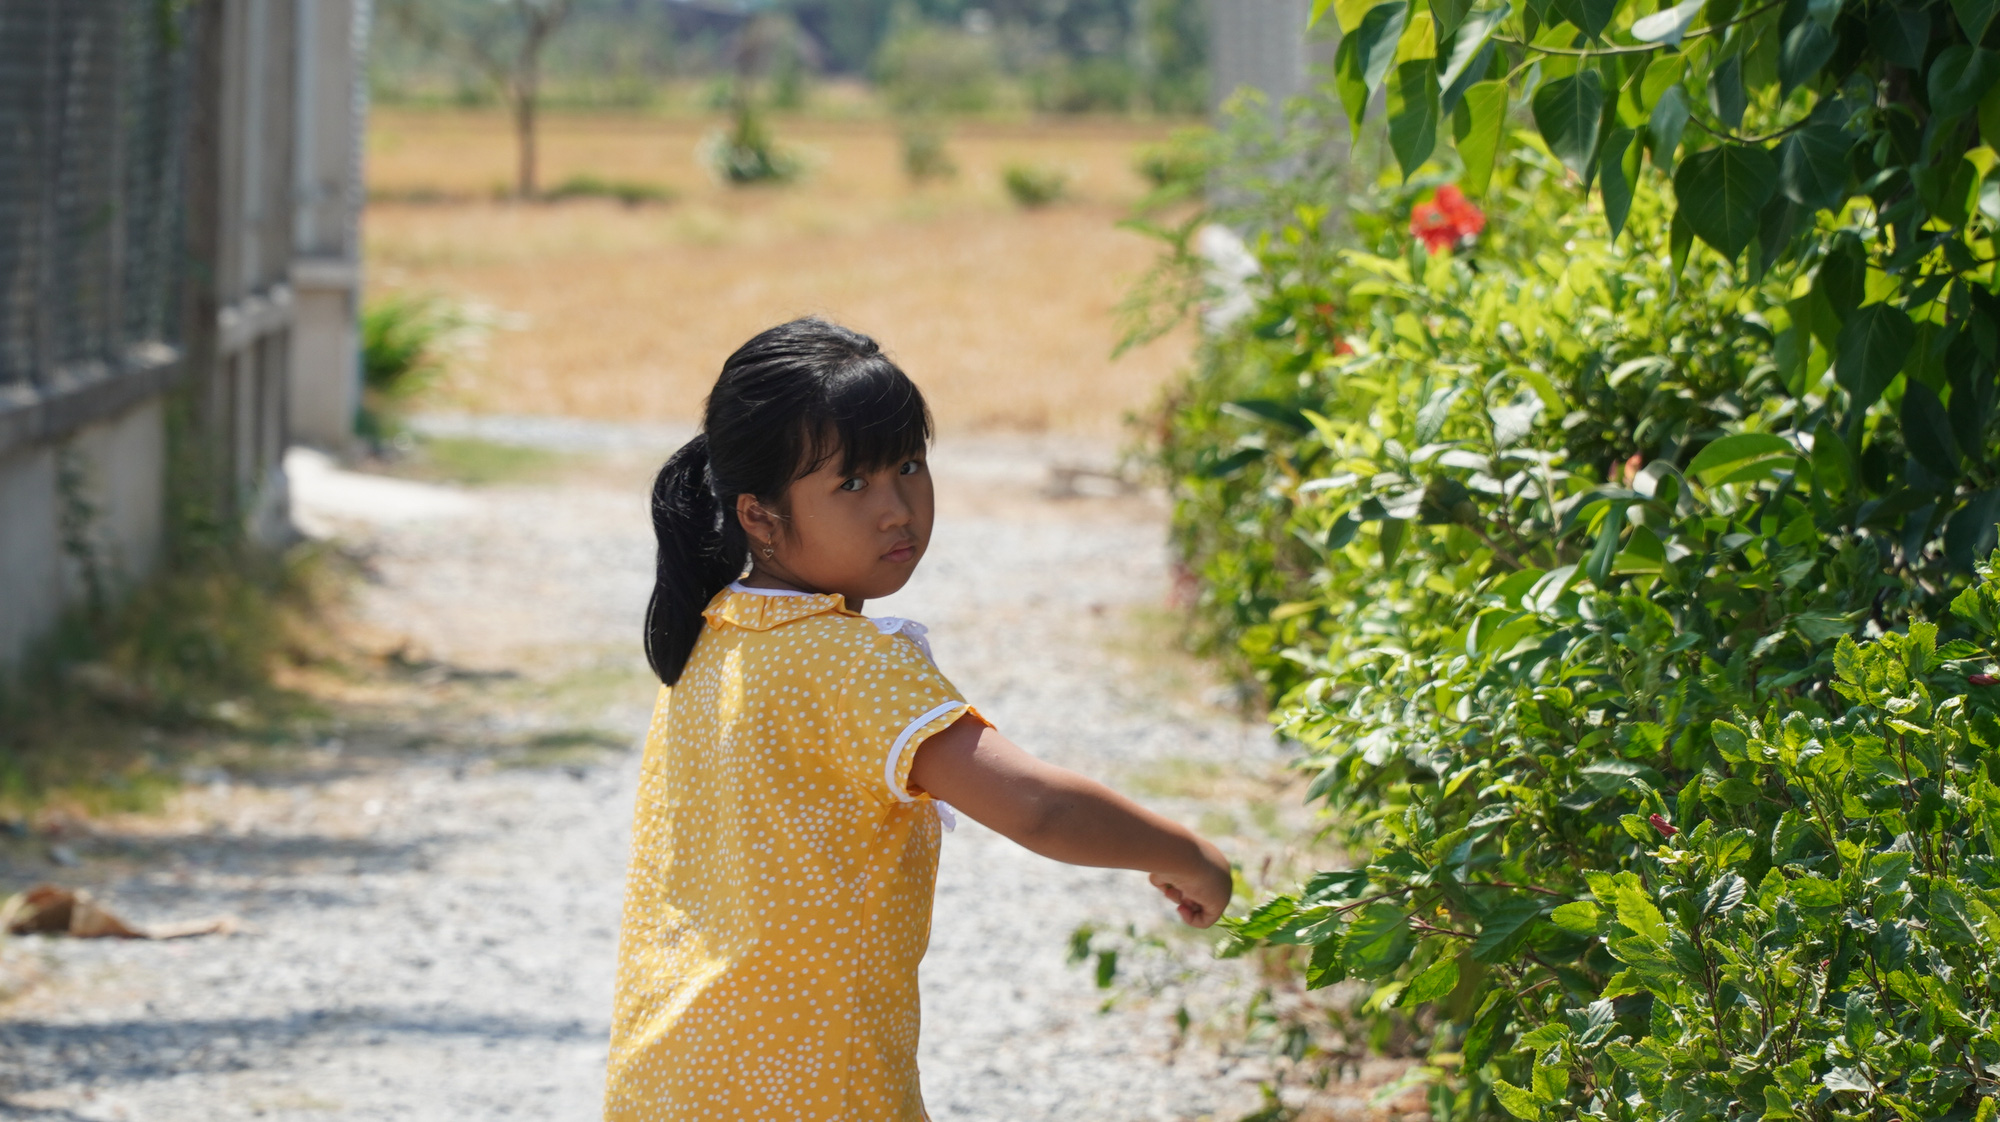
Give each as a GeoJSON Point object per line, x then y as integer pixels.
{"type": "Point", "coordinates": [785, 844]}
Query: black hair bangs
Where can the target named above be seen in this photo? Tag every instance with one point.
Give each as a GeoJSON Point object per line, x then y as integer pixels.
{"type": "Point", "coordinates": [872, 416]}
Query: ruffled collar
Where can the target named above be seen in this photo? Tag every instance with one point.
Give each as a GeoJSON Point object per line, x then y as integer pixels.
{"type": "Point", "coordinates": [761, 609]}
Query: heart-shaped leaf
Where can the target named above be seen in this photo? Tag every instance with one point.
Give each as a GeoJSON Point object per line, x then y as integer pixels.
{"type": "Point", "coordinates": [1726, 94]}
{"type": "Point", "coordinates": [1618, 175]}
{"type": "Point", "coordinates": [1590, 16]}
{"type": "Point", "coordinates": [1959, 77]}
{"type": "Point", "coordinates": [1805, 50]}
{"type": "Point", "coordinates": [1927, 430]}
{"type": "Point", "coordinates": [1473, 36]}
{"type": "Point", "coordinates": [1669, 118]}
{"type": "Point", "coordinates": [1413, 114]}
{"type": "Point", "coordinates": [1900, 34]}
{"type": "Point", "coordinates": [1568, 111]}
{"type": "Point", "coordinates": [1486, 108]}
{"type": "Point", "coordinates": [1722, 191]}
{"type": "Point", "coordinates": [1364, 55]}
{"type": "Point", "coordinates": [1975, 16]}
{"type": "Point", "coordinates": [1873, 343]}
{"type": "Point", "coordinates": [1812, 166]}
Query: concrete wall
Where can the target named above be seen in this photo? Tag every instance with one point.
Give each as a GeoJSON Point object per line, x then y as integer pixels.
{"type": "Point", "coordinates": [115, 493]}
{"type": "Point", "coordinates": [326, 274]}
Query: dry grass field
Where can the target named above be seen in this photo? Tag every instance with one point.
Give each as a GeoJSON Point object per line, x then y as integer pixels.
{"type": "Point", "coordinates": [1005, 317]}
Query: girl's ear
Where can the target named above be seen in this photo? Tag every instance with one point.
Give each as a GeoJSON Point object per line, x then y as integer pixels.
{"type": "Point", "coordinates": [759, 524]}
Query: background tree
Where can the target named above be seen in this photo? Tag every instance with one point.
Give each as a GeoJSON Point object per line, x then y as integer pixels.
{"type": "Point", "coordinates": [501, 39]}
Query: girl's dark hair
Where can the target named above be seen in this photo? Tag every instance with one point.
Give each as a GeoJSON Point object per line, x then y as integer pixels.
{"type": "Point", "coordinates": [787, 402]}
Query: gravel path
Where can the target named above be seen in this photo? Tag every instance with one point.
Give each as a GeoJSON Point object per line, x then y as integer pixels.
{"type": "Point", "coordinates": [431, 928]}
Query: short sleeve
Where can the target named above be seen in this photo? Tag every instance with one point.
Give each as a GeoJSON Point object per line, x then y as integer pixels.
{"type": "Point", "coordinates": [891, 701]}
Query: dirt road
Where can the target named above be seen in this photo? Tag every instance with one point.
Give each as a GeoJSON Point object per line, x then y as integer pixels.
{"type": "Point", "coordinates": [431, 902]}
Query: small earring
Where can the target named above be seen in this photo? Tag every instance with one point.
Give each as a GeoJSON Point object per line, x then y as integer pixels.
{"type": "Point", "coordinates": [767, 551]}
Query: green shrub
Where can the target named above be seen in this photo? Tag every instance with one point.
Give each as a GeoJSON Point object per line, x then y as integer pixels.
{"type": "Point", "coordinates": [1090, 85]}
{"type": "Point", "coordinates": [1825, 940]}
{"type": "Point", "coordinates": [748, 155]}
{"type": "Point", "coordinates": [1177, 168]}
{"type": "Point", "coordinates": [927, 68]}
{"type": "Point", "coordinates": [1506, 531]}
{"type": "Point", "coordinates": [1035, 185]}
{"type": "Point", "coordinates": [924, 155]}
{"type": "Point", "coordinates": [631, 192]}
{"type": "Point", "coordinates": [404, 341]}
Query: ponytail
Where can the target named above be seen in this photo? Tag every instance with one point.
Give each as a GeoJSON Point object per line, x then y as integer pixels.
{"type": "Point", "coordinates": [701, 549]}
{"type": "Point", "coordinates": [792, 398]}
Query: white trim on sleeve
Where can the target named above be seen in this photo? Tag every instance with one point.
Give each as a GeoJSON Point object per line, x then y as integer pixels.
{"type": "Point", "coordinates": [903, 740]}
{"type": "Point", "coordinates": [739, 586]}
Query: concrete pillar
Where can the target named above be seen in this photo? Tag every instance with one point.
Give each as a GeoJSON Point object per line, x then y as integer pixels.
{"type": "Point", "coordinates": [326, 272]}
{"type": "Point", "coordinates": [1260, 44]}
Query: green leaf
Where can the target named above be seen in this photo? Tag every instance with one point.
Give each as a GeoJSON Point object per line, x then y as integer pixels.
{"type": "Point", "coordinates": [1484, 1034]}
{"type": "Point", "coordinates": [1668, 25]}
{"type": "Point", "coordinates": [1971, 533]}
{"type": "Point", "coordinates": [1900, 34]}
{"type": "Point", "coordinates": [1519, 1102]}
{"type": "Point", "coordinates": [1327, 965]}
{"type": "Point", "coordinates": [1847, 1079]}
{"type": "Point", "coordinates": [1450, 16]}
{"type": "Point", "coordinates": [1721, 190]}
{"type": "Point", "coordinates": [1744, 455]}
{"type": "Point", "coordinates": [1617, 177]}
{"type": "Point", "coordinates": [1598, 566]}
{"type": "Point", "coordinates": [1812, 166]}
{"type": "Point", "coordinates": [1364, 57]}
{"type": "Point", "coordinates": [1726, 94]}
{"type": "Point", "coordinates": [1505, 929]}
{"type": "Point", "coordinates": [1268, 917]}
{"type": "Point", "coordinates": [1413, 114]}
{"type": "Point", "coordinates": [1814, 892]}
{"type": "Point", "coordinates": [1638, 913]}
{"type": "Point", "coordinates": [1378, 942]}
{"type": "Point", "coordinates": [1319, 9]}
{"type": "Point", "coordinates": [1873, 343]}
{"type": "Point", "coordinates": [1927, 431]}
{"type": "Point", "coordinates": [1473, 36]}
{"type": "Point", "coordinates": [1578, 917]}
{"type": "Point", "coordinates": [1486, 103]}
{"type": "Point", "coordinates": [1567, 111]}
{"type": "Point", "coordinates": [1590, 16]}
{"type": "Point", "coordinates": [1435, 982]}
{"type": "Point", "coordinates": [1664, 126]}
{"type": "Point", "coordinates": [1843, 276]}
{"type": "Point", "coordinates": [1959, 77]}
{"type": "Point", "coordinates": [1974, 16]}
{"type": "Point", "coordinates": [1806, 48]}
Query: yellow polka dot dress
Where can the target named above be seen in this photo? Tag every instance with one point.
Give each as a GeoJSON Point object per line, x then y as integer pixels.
{"type": "Point", "coordinates": [779, 895]}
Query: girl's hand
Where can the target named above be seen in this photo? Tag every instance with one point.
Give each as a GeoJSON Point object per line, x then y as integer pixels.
{"type": "Point", "coordinates": [1202, 894]}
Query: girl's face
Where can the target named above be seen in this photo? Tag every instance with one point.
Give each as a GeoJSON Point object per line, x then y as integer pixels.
{"type": "Point", "coordinates": [859, 535]}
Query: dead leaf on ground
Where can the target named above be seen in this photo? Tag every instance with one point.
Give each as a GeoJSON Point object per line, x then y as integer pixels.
{"type": "Point", "coordinates": [52, 909]}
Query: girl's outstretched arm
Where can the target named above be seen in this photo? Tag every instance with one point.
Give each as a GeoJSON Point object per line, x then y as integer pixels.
{"type": "Point", "coordinates": [1057, 813]}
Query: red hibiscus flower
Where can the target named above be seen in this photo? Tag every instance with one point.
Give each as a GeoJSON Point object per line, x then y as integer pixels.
{"type": "Point", "coordinates": [1448, 221]}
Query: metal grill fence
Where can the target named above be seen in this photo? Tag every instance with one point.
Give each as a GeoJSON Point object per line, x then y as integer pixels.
{"type": "Point", "coordinates": [93, 104]}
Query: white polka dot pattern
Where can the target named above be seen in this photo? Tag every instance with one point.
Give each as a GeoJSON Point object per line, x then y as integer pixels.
{"type": "Point", "coordinates": [779, 895]}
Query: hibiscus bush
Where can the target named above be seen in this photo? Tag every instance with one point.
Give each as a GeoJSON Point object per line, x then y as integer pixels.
{"type": "Point", "coordinates": [1508, 512]}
